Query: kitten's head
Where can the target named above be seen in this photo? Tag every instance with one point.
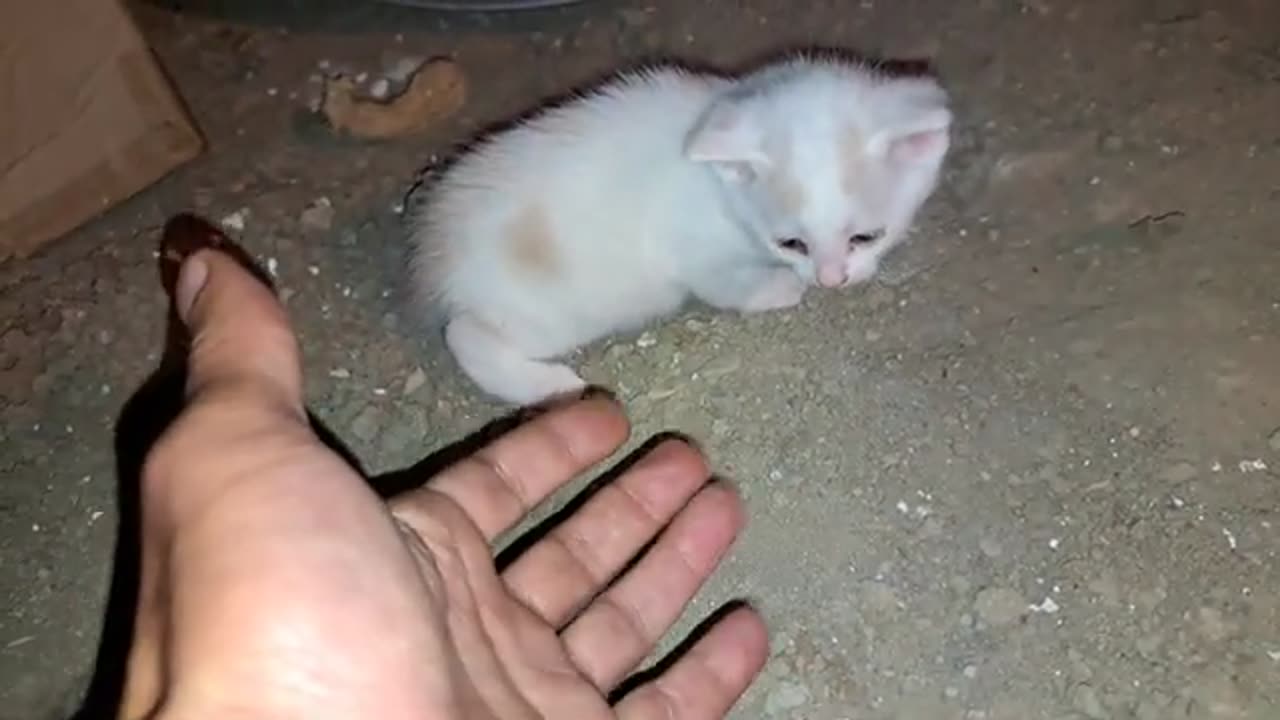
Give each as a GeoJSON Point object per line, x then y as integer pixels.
{"type": "Point", "coordinates": [830, 161]}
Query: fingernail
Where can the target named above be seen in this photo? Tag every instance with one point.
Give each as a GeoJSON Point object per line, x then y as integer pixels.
{"type": "Point", "coordinates": [191, 280]}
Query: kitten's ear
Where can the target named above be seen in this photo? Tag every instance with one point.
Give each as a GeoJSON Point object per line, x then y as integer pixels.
{"type": "Point", "coordinates": [730, 140]}
{"type": "Point", "coordinates": [922, 139]}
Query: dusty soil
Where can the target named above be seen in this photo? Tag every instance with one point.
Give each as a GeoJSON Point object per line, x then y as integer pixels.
{"type": "Point", "coordinates": [1030, 473]}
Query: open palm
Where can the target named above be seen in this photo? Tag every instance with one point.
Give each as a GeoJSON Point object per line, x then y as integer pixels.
{"type": "Point", "coordinates": [276, 584]}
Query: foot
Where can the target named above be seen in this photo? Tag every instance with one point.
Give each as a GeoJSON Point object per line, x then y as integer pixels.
{"type": "Point", "coordinates": [781, 289]}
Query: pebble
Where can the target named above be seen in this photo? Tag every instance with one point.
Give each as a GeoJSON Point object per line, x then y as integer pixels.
{"type": "Point", "coordinates": [318, 215]}
{"type": "Point", "coordinates": [646, 340]}
{"type": "Point", "coordinates": [1085, 699]}
{"type": "Point", "coordinates": [416, 379]}
{"type": "Point", "coordinates": [990, 547]}
{"type": "Point", "coordinates": [1273, 441]}
{"type": "Point", "coordinates": [1000, 606]}
{"type": "Point", "coordinates": [235, 220]}
{"type": "Point", "coordinates": [1046, 606]}
{"type": "Point", "coordinates": [786, 696]}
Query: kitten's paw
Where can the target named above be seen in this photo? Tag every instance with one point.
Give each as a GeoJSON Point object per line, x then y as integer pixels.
{"type": "Point", "coordinates": [548, 383]}
{"type": "Point", "coordinates": [782, 289]}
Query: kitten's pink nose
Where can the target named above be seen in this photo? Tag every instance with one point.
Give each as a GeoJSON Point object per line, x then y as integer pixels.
{"type": "Point", "coordinates": [832, 276]}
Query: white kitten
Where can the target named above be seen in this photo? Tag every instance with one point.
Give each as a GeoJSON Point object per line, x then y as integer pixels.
{"type": "Point", "coordinates": [608, 211]}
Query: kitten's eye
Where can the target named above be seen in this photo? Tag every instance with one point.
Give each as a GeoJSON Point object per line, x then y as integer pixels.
{"type": "Point", "coordinates": [795, 245]}
{"type": "Point", "coordinates": [866, 237]}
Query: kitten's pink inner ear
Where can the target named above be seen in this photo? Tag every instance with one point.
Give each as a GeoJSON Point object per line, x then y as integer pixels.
{"type": "Point", "coordinates": [920, 146]}
{"type": "Point", "coordinates": [727, 139]}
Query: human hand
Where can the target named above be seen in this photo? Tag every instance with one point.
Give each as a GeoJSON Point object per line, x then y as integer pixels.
{"type": "Point", "coordinates": [275, 583]}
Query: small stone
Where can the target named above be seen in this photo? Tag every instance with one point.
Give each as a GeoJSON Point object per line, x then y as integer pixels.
{"type": "Point", "coordinates": [235, 221]}
{"type": "Point", "coordinates": [340, 373]}
{"type": "Point", "coordinates": [416, 379]}
{"type": "Point", "coordinates": [971, 671]}
{"type": "Point", "coordinates": [646, 340]}
{"type": "Point", "coordinates": [318, 215]}
{"type": "Point", "coordinates": [367, 423]}
{"type": "Point", "coordinates": [380, 89]}
{"type": "Point", "coordinates": [1000, 606]}
{"type": "Point", "coordinates": [1046, 606]}
{"type": "Point", "coordinates": [786, 696]}
{"type": "Point", "coordinates": [990, 547]}
{"type": "Point", "coordinates": [1178, 473]}
{"type": "Point", "coordinates": [1085, 700]}
{"type": "Point", "coordinates": [1273, 441]}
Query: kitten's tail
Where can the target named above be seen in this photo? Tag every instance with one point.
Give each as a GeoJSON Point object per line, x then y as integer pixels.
{"type": "Point", "coordinates": [501, 369]}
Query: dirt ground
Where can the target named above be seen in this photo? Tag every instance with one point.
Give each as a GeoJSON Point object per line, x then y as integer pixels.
{"type": "Point", "coordinates": [1029, 473]}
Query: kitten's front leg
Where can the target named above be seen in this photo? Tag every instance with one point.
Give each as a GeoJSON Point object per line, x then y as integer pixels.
{"type": "Point", "coordinates": [751, 289]}
{"type": "Point", "coordinates": [781, 288]}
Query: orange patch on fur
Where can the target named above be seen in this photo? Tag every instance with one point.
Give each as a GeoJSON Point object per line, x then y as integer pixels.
{"type": "Point", "coordinates": [532, 243]}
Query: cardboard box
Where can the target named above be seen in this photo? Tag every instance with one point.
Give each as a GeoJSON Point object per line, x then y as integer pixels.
{"type": "Point", "coordinates": [87, 118]}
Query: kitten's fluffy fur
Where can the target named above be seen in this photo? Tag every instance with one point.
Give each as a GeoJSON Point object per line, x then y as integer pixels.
{"type": "Point", "coordinates": [603, 213]}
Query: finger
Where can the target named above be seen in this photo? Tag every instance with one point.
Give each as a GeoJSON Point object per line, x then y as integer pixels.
{"type": "Point", "coordinates": [501, 483]}
{"type": "Point", "coordinates": [705, 683]}
{"type": "Point", "coordinates": [620, 628]}
{"type": "Point", "coordinates": [561, 572]}
{"type": "Point", "coordinates": [241, 341]}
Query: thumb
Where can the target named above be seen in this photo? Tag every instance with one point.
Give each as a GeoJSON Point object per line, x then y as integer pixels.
{"type": "Point", "coordinates": [241, 341]}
